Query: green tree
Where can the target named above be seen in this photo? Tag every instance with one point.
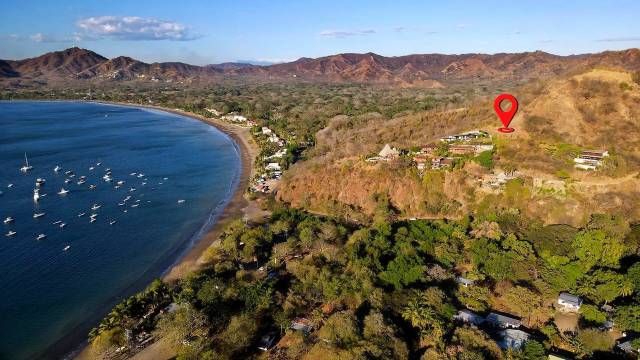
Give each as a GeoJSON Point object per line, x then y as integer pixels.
{"type": "Point", "coordinates": [485, 159]}
{"type": "Point", "coordinates": [404, 270]}
{"type": "Point", "coordinates": [340, 329]}
{"type": "Point", "coordinates": [592, 314]}
{"type": "Point", "coordinates": [627, 317]}
{"type": "Point", "coordinates": [533, 350]}
{"type": "Point", "coordinates": [597, 247]}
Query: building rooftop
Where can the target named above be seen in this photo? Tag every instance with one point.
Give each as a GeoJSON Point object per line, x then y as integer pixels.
{"type": "Point", "coordinates": [570, 299]}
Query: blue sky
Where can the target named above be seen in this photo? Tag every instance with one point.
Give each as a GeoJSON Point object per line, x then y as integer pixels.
{"type": "Point", "coordinates": [203, 32]}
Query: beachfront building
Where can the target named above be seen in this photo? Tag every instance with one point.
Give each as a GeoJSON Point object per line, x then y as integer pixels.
{"type": "Point", "coordinates": [569, 303]}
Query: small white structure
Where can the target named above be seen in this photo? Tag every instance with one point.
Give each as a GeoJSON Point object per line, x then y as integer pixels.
{"type": "Point", "coordinates": [388, 152]}
{"type": "Point", "coordinates": [470, 135]}
{"type": "Point", "coordinates": [464, 281]}
{"type": "Point", "coordinates": [569, 303]}
{"type": "Point", "coordinates": [266, 131]}
{"type": "Point", "coordinates": [274, 166]}
{"type": "Point", "coordinates": [590, 159]}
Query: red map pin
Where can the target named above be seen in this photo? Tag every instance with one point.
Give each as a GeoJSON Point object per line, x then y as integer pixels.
{"type": "Point", "coordinates": [506, 116]}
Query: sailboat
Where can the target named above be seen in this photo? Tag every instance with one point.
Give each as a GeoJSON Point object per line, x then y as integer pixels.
{"type": "Point", "coordinates": [63, 191]}
{"type": "Point", "coordinates": [26, 167]}
{"type": "Point", "coordinates": [36, 195]}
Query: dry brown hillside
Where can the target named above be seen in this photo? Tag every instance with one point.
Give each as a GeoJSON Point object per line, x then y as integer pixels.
{"type": "Point", "coordinates": [557, 119]}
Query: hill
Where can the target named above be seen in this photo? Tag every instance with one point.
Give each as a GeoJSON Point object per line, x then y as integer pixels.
{"type": "Point", "coordinates": [558, 118]}
{"type": "Point", "coordinates": [424, 70]}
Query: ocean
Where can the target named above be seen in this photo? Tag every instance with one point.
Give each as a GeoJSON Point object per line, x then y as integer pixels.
{"type": "Point", "coordinates": [52, 296]}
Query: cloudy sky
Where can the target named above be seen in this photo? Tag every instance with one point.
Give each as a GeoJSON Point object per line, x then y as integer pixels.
{"type": "Point", "coordinates": [267, 31]}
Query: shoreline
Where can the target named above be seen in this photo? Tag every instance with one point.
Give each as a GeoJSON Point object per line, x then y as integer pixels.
{"type": "Point", "coordinates": [236, 206]}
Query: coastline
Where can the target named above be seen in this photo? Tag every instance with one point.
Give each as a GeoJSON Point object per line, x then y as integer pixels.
{"type": "Point", "coordinates": [237, 206]}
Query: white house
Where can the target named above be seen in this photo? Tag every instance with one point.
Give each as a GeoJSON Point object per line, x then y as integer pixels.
{"type": "Point", "coordinates": [266, 131]}
{"type": "Point", "coordinates": [568, 302]}
{"type": "Point", "coordinates": [273, 166]}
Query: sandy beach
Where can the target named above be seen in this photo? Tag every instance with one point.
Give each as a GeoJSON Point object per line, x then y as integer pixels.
{"type": "Point", "coordinates": [237, 207]}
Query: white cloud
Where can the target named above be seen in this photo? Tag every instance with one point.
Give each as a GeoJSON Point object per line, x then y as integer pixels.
{"type": "Point", "coordinates": [132, 28]}
{"type": "Point", "coordinates": [346, 33]}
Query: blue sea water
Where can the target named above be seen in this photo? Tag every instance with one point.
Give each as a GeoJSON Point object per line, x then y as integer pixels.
{"type": "Point", "coordinates": [50, 297]}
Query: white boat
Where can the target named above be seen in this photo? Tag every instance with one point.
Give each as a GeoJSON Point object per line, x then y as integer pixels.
{"type": "Point", "coordinates": [127, 198]}
{"type": "Point", "coordinates": [95, 207]}
{"type": "Point", "coordinates": [82, 177]}
{"type": "Point", "coordinates": [98, 163]}
{"type": "Point", "coordinates": [41, 236]}
{"type": "Point", "coordinates": [81, 214]}
{"type": "Point", "coordinates": [165, 178]}
{"type": "Point", "coordinates": [36, 195]}
{"type": "Point", "coordinates": [120, 183]}
{"type": "Point", "coordinates": [107, 169]}
{"type": "Point", "coordinates": [26, 167]}
{"type": "Point", "coordinates": [63, 191]}
{"type": "Point", "coordinates": [91, 168]}
{"type": "Point", "coordinates": [56, 222]}
{"type": "Point", "coordinates": [91, 220]}
{"type": "Point", "coordinates": [91, 187]}
{"type": "Point", "coordinates": [66, 248]}
{"type": "Point", "coordinates": [62, 225]}
{"type": "Point", "coordinates": [121, 204]}
{"type": "Point", "coordinates": [181, 201]}
{"type": "Point", "coordinates": [40, 182]}
{"type": "Point", "coordinates": [57, 168]}
{"type": "Point", "coordinates": [38, 215]}
{"type": "Point", "coordinates": [81, 182]}
{"type": "Point", "coordinates": [140, 175]}
{"type": "Point", "coordinates": [135, 205]}
{"type": "Point", "coordinates": [107, 178]}
{"type": "Point", "coordinates": [68, 172]}
{"type": "Point", "coordinates": [144, 183]}
{"type": "Point", "coordinates": [117, 187]}
{"type": "Point", "coordinates": [112, 222]}
{"type": "Point", "coordinates": [66, 181]}
{"type": "Point", "coordinates": [10, 233]}
{"type": "Point", "coordinates": [133, 174]}
{"type": "Point", "coordinates": [124, 211]}
{"type": "Point", "coordinates": [132, 189]}
{"type": "Point", "coordinates": [8, 220]}
{"type": "Point", "coordinates": [9, 186]}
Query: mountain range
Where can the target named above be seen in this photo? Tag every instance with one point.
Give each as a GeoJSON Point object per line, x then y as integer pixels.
{"type": "Point", "coordinates": [428, 70]}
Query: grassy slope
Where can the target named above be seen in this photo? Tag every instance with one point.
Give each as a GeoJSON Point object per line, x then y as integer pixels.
{"type": "Point", "coordinates": [557, 119]}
